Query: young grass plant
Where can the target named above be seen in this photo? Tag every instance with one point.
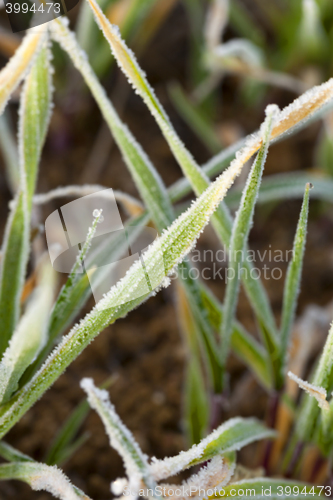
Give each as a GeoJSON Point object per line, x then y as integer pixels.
{"type": "Point", "coordinates": [28, 339]}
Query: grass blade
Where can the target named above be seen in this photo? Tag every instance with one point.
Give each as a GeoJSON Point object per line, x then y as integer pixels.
{"type": "Point", "coordinates": [31, 333]}
{"type": "Point", "coordinates": [309, 410]}
{"type": "Point", "coordinates": [195, 397]}
{"type": "Point", "coordinates": [243, 344]}
{"type": "Point", "coordinates": [137, 161]}
{"type": "Point", "coordinates": [34, 119]}
{"type": "Point", "coordinates": [196, 403]}
{"type": "Point", "coordinates": [240, 232]}
{"type": "Point", "coordinates": [281, 187]}
{"type": "Point", "coordinates": [230, 436]}
{"type": "Point", "coordinates": [221, 221]}
{"type": "Point", "coordinates": [121, 439]}
{"type": "Point", "coordinates": [174, 245]}
{"type": "Point", "coordinates": [292, 283]}
{"type": "Point", "coordinates": [42, 477]}
{"type": "Point", "coordinates": [11, 454]}
{"type": "Point", "coordinates": [213, 167]}
{"type": "Point", "coordinates": [18, 66]}
{"type": "Point", "coordinates": [68, 305]}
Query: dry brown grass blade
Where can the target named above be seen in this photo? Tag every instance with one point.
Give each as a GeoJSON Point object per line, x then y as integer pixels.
{"type": "Point", "coordinates": [13, 73]}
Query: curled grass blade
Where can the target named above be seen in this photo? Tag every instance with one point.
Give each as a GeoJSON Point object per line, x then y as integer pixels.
{"type": "Point", "coordinates": [131, 205]}
{"type": "Point", "coordinates": [233, 435]}
{"type": "Point", "coordinates": [34, 119]}
{"type": "Point", "coordinates": [121, 439]}
{"type": "Point", "coordinates": [240, 232]}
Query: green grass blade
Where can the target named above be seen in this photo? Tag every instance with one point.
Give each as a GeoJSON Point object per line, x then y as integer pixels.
{"type": "Point", "coordinates": [309, 410]}
{"type": "Point", "coordinates": [221, 221]}
{"type": "Point", "coordinates": [73, 296]}
{"type": "Point", "coordinates": [121, 439]}
{"type": "Point", "coordinates": [30, 335]}
{"type": "Point", "coordinates": [145, 176]}
{"type": "Point", "coordinates": [11, 454]}
{"type": "Point", "coordinates": [243, 344]}
{"type": "Point", "coordinates": [42, 477]}
{"type": "Point", "coordinates": [240, 232]}
{"type": "Point", "coordinates": [281, 187]}
{"type": "Point", "coordinates": [261, 487]}
{"type": "Point", "coordinates": [196, 403]}
{"type": "Point", "coordinates": [174, 244]}
{"type": "Point", "coordinates": [233, 435]}
{"type": "Point", "coordinates": [34, 119]}
{"type": "Point", "coordinates": [292, 283]}
{"type": "Point", "coordinates": [62, 446]}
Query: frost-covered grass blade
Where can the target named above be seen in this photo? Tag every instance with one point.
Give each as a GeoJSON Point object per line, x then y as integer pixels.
{"type": "Point", "coordinates": [233, 435]}
{"type": "Point", "coordinates": [146, 178]}
{"type": "Point", "coordinates": [42, 477]}
{"type": "Point", "coordinates": [77, 290]}
{"type": "Point", "coordinates": [121, 439]}
{"type": "Point", "coordinates": [309, 410]}
{"type": "Point", "coordinates": [292, 284]}
{"type": "Point", "coordinates": [30, 335]}
{"type": "Point", "coordinates": [240, 231]}
{"type": "Point", "coordinates": [34, 119]}
{"type": "Point", "coordinates": [222, 221]}
{"type": "Point", "coordinates": [174, 244]}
